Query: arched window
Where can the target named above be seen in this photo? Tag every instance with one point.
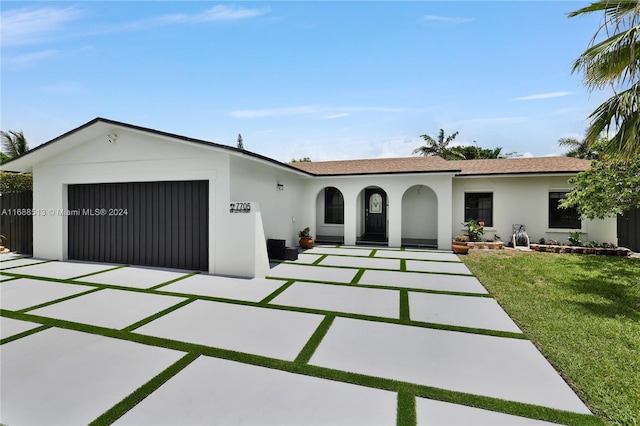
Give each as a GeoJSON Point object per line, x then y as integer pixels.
{"type": "Point", "coordinates": [333, 206]}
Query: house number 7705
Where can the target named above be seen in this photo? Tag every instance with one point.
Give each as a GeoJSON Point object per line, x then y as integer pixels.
{"type": "Point", "coordinates": [240, 208]}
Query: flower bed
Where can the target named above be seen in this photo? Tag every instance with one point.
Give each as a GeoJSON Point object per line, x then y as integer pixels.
{"type": "Point", "coordinates": [620, 251]}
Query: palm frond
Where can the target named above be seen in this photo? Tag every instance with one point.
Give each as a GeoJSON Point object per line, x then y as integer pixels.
{"type": "Point", "coordinates": [615, 59]}
{"type": "Point", "coordinates": [622, 114]}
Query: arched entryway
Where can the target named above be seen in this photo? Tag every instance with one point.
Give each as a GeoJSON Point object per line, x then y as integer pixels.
{"type": "Point", "coordinates": [420, 217]}
{"type": "Point", "coordinates": [374, 225]}
{"type": "Point", "coordinates": [329, 216]}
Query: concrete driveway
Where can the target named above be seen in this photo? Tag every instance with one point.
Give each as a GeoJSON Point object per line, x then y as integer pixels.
{"type": "Point", "coordinates": [344, 335]}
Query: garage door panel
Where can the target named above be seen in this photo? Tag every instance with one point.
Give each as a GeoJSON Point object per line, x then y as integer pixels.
{"type": "Point", "coordinates": [166, 223]}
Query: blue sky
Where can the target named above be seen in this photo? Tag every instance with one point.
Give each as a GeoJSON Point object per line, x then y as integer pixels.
{"type": "Point", "coordinates": [328, 80]}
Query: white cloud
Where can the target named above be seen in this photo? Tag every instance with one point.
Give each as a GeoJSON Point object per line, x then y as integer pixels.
{"type": "Point", "coordinates": [543, 96]}
{"type": "Point", "coordinates": [28, 59]}
{"type": "Point", "coordinates": [335, 115]}
{"type": "Point", "coordinates": [447, 19]}
{"type": "Point", "coordinates": [214, 14]}
{"type": "Point", "coordinates": [30, 25]}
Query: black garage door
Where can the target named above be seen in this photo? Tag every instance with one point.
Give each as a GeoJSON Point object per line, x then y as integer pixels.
{"type": "Point", "coordinates": [140, 223]}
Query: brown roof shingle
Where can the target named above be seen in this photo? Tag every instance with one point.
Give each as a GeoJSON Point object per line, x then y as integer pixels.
{"type": "Point", "coordinates": [521, 165]}
{"type": "Point", "coordinates": [378, 166]}
{"type": "Point", "coordinates": [437, 164]}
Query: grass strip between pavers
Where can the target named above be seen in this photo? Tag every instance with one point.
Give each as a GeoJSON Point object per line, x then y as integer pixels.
{"type": "Point", "coordinates": [158, 315]}
{"type": "Point", "coordinates": [406, 413]}
{"type": "Point", "coordinates": [265, 303]}
{"type": "Point", "coordinates": [403, 265]}
{"type": "Point", "coordinates": [175, 280]}
{"type": "Point", "coordinates": [29, 264]}
{"type": "Point", "coordinates": [291, 262]}
{"type": "Point", "coordinates": [357, 276]}
{"type": "Point", "coordinates": [320, 259]}
{"type": "Point", "coordinates": [118, 410]}
{"type": "Point", "coordinates": [314, 341]}
{"type": "Point", "coordinates": [404, 306]}
{"type": "Point", "coordinates": [62, 299]}
{"type": "Point", "coordinates": [479, 401]}
{"type": "Point", "coordinates": [276, 293]}
{"type": "Point", "coordinates": [373, 253]}
{"type": "Point", "coordinates": [24, 334]}
{"type": "Point", "coordinates": [98, 272]}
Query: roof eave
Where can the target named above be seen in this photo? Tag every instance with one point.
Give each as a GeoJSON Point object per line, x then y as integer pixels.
{"type": "Point", "coordinates": [512, 174]}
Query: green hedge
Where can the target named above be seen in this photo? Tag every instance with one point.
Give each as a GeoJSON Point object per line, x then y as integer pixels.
{"type": "Point", "coordinates": [16, 182]}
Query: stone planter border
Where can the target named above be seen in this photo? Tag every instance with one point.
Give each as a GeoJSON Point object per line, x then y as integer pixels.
{"type": "Point", "coordinates": [486, 245]}
{"type": "Point", "coordinates": [620, 251]}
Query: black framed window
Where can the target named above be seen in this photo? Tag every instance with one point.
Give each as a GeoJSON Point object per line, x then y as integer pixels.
{"type": "Point", "coordinates": [562, 218]}
{"type": "Point", "coordinates": [479, 206]}
{"type": "Point", "coordinates": [333, 206]}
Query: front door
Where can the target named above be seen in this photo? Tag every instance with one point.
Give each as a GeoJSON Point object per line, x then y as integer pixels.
{"type": "Point", "coordinates": [375, 213]}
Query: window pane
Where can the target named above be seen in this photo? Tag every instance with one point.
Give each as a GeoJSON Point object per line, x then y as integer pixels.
{"type": "Point", "coordinates": [562, 218]}
{"type": "Point", "coordinates": [479, 205]}
{"type": "Point", "coordinates": [333, 206]}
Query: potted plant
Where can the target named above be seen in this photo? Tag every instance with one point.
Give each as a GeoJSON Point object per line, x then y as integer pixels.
{"type": "Point", "coordinates": [459, 244]}
{"type": "Point", "coordinates": [475, 230]}
{"type": "Point", "coordinates": [305, 238]}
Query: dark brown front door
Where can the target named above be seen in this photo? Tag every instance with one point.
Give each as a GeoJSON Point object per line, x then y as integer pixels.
{"type": "Point", "coordinates": [375, 213]}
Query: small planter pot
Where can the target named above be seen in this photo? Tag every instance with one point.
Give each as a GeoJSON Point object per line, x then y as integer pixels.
{"type": "Point", "coordinates": [459, 247]}
{"type": "Point", "coordinates": [306, 242]}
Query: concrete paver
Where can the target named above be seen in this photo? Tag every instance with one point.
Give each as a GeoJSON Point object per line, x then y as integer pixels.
{"type": "Point", "coordinates": [109, 308]}
{"type": "Point", "coordinates": [339, 298]}
{"type": "Point", "coordinates": [61, 270]}
{"type": "Point", "coordinates": [439, 267]}
{"type": "Point", "coordinates": [219, 392]}
{"type": "Point", "coordinates": [134, 277]}
{"type": "Point", "coordinates": [438, 413]}
{"type": "Point", "coordinates": [62, 377]}
{"type": "Point", "coordinates": [499, 367]}
{"type": "Point", "coordinates": [253, 290]}
{"type": "Point", "coordinates": [73, 377]}
{"type": "Point", "coordinates": [466, 311]}
{"type": "Point", "coordinates": [10, 327]}
{"type": "Point", "coordinates": [316, 273]}
{"type": "Point", "coordinates": [418, 255]}
{"type": "Point", "coordinates": [267, 332]}
{"type": "Point", "coordinates": [24, 293]}
{"type": "Point", "coordinates": [307, 258]}
{"type": "Point", "coordinates": [361, 262]}
{"type": "Point", "coordinates": [351, 251]}
{"type": "Point", "coordinates": [416, 280]}
{"type": "Point", "coordinates": [12, 263]}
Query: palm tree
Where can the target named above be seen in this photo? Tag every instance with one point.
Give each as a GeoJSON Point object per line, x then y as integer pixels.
{"type": "Point", "coordinates": [615, 62]}
{"type": "Point", "coordinates": [579, 149]}
{"type": "Point", "coordinates": [14, 144]}
{"type": "Point", "coordinates": [439, 147]}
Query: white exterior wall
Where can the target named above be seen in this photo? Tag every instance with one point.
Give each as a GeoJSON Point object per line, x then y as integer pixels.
{"type": "Point", "coordinates": [395, 187]}
{"type": "Point", "coordinates": [523, 200]}
{"type": "Point", "coordinates": [139, 157]}
{"type": "Point", "coordinates": [252, 180]}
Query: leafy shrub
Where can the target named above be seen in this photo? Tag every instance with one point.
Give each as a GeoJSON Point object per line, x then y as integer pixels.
{"type": "Point", "coordinates": [16, 182]}
{"type": "Point", "coordinates": [574, 238]}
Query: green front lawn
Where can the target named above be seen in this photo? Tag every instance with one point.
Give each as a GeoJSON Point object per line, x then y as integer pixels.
{"type": "Point", "coordinates": [582, 312]}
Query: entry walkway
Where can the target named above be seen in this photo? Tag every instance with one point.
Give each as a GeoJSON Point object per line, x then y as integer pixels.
{"type": "Point", "coordinates": [344, 335]}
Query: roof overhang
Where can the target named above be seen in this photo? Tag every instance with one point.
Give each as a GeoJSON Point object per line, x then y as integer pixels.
{"type": "Point", "coordinates": [102, 126]}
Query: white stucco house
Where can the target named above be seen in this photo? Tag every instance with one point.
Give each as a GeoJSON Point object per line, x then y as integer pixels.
{"type": "Point", "coordinates": [114, 192]}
